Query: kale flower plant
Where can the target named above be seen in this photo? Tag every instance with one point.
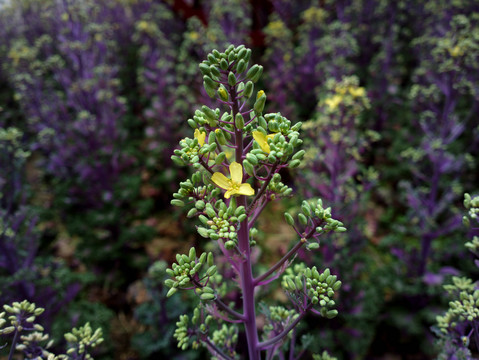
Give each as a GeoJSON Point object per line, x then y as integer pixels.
{"type": "Point", "coordinates": [237, 153]}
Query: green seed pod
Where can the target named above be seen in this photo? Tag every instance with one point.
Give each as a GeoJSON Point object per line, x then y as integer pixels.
{"type": "Point", "coordinates": [252, 159]}
{"type": "Point", "coordinates": [220, 158]}
{"type": "Point", "coordinates": [239, 121]}
{"type": "Point", "coordinates": [223, 94]}
{"type": "Point", "coordinates": [211, 59]}
{"type": "Point", "coordinates": [289, 219]}
{"type": "Point", "coordinates": [312, 246]}
{"type": "Point", "coordinates": [242, 217]}
{"type": "Point", "coordinates": [203, 232]}
{"type": "Point", "coordinates": [231, 56]}
{"type": "Point", "coordinates": [259, 104]}
{"type": "Point", "coordinates": [223, 64]}
{"type": "Point", "coordinates": [216, 53]}
{"type": "Point", "coordinates": [340, 229]}
{"type": "Point", "coordinates": [231, 79]}
{"type": "Point", "coordinates": [229, 245]}
{"type": "Point", "coordinates": [177, 202]}
{"type": "Point", "coordinates": [248, 167]}
{"type": "Point", "coordinates": [248, 89]}
{"type": "Point", "coordinates": [207, 296]}
{"type": "Point", "coordinates": [294, 163]}
{"type": "Point", "coordinates": [247, 57]}
{"type": "Point", "coordinates": [241, 66]}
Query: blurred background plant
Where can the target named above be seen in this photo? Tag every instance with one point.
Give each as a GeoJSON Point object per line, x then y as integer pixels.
{"type": "Point", "coordinates": [94, 97]}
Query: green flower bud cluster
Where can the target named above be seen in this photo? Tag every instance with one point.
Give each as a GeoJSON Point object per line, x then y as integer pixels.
{"type": "Point", "coordinates": [313, 216]}
{"type": "Point", "coordinates": [279, 317]}
{"type": "Point", "coordinates": [186, 335]}
{"type": "Point", "coordinates": [460, 284]}
{"type": "Point", "coordinates": [188, 269]}
{"type": "Point", "coordinates": [192, 190]}
{"type": "Point", "coordinates": [324, 356]}
{"type": "Point", "coordinates": [226, 338]}
{"type": "Point", "coordinates": [21, 316]}
{"type": "Point", "coordinates": [232, 61]}
{"type": "Point", "coordinates": [472, 205]}
{"type": "Point", "coordinates": [221, 221]}
{"type": "Point", "coordinates": [304, 283]}
{"type": "Point", "coordinates": [34, 340]}
{"type": "Point", "coordinates": [189, 152]}
{"type": "Point", "coordinates": [277, 188]}
{"type": "Point", "coordinates": [473, 245]}
{"type": "Point", "coordinates": [81, 339]}
{"type": "Point", "coordinates": [464, 308]}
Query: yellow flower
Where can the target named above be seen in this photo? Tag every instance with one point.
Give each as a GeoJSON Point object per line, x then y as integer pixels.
{"type": "Point", "coordinates": [200, 136]}
{"type": "Point", "coordinates": [262, 140]}
{"type": "Point", "coordinates": [233, 186]}
{"type": "Point", "coordinates": [333, 102]}
{"type": "Point", "coordinates": [357, 92]}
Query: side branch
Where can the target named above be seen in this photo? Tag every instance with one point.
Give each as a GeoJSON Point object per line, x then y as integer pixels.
{"type": "Point", "coordinates": [280, 263]}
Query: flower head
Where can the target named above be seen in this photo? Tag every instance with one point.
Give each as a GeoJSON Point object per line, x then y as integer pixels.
{"type": "Point", "coordinates": [262, 140]}
{"type": "Point", "coordinates": [233, 186]}
{"type": "Point", "coordinates": [200, 136]}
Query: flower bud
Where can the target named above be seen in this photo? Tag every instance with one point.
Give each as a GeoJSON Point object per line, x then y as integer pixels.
{"type": "Point", "coordinates": [239, 121]}
{"type": "Point", "coordinates": [289, 219]}
{"type": "Point", "coordinates": [259, 104]}
{"type": "Point", "coordinates": [231, 79]}
{"type": "Point", "coordinates": [223, 94]}
{"type": "Point", "coordinates": [241, 66]}
{"type": "Point", "coordinates": [248, 89]}
{"type": "Point", "coordinates": [248, 167]}
{"type": "Point", "coordinates": [223, 64]}
{"type": "Point", "coordinates": [302, 219]}
{"type": "Point", "coordinates": [294, 163]}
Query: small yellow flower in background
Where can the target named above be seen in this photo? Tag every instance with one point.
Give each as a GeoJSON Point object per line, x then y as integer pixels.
{"type": "Point", "coordinates": [357, 92]}
{"type": "Point", "coordinates": [333, 102]}
{"type": "Point", "coordinates": [233, 186]}
{"type": "Point", "coordinates": [200, 136]}
{"type": "Point", "coordinates": [262, 140]}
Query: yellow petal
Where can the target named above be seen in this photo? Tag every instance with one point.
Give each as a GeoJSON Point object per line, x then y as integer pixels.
{"type": "Point", "coordinates": [229, 193]}
{"type": "Point", "coordinates": [236, 171]}
{"type": "Point", "coordinates": [221, 180]}
{"type": "Point", "coordinates": [261, 139]}
{"type": "Point", "coordinates": [200, 136]}
{"type": "Point", "coordinates": [245, 189]}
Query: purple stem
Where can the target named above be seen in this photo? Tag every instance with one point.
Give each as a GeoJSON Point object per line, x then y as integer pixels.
{"type": "Point", "coordinates": [246, 273]}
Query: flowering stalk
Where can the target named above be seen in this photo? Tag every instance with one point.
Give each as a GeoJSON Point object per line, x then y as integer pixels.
{"type": "Point", "coordinates": [241, 152]}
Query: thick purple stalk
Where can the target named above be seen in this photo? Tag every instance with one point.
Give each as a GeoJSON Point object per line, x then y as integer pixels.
{"type": "Point", "coordinates": [246, 273]}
